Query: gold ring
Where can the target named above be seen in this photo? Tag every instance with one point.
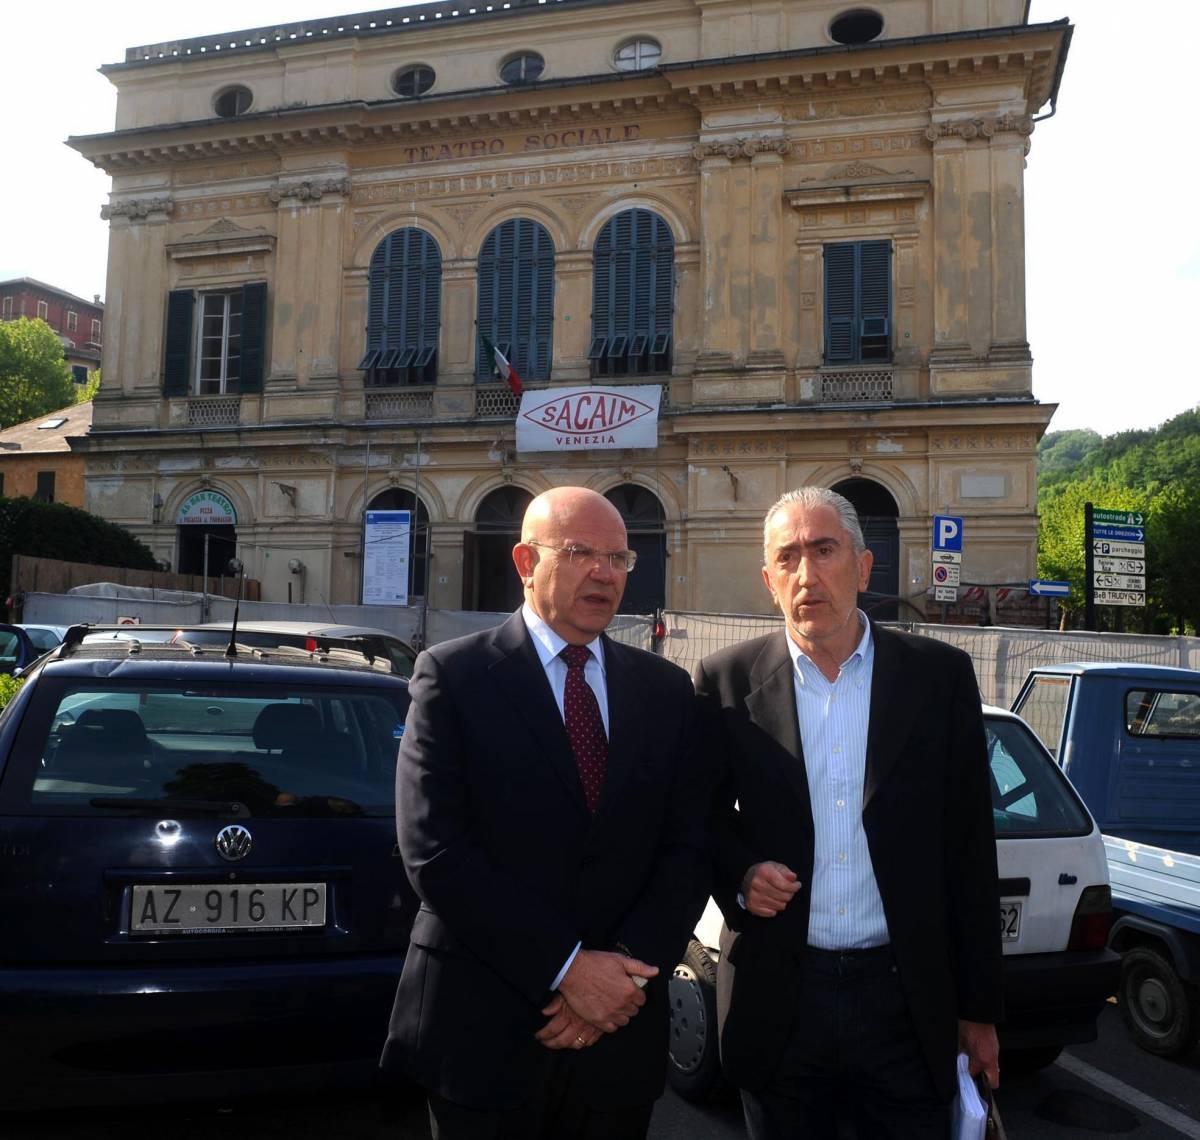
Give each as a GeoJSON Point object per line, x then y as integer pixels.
{"type": "Point", "coordinates": [579, 1039]}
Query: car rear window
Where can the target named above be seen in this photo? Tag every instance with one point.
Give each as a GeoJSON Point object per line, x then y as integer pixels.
{"type": "Point", "coordinates": [1158, 712]}
{"type": "Point", "coordinates": [280, 751]}
{"type": "Point", "coordinates": [1030, 796]}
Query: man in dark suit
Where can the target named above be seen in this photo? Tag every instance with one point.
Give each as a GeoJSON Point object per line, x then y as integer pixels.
{"type": "Point", "coordinates": [856, 860]}
{"type": "Point", "coordinates": [554, 829]}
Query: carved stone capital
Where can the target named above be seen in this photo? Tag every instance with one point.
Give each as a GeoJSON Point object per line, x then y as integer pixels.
{"type": "Point", "coordinates": [138, 209]}
{"type": "Point", "coordinates": [308, 190]}
{"type": "Point", "coordinates": [746, 147]}
{"type": "Point", "coordinates": [969, 129]}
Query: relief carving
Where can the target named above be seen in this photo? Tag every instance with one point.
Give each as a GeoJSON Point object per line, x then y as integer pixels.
{"type": "Point", "coordinates": [969, 129]}
{"type": "Point", "coordinates": [308, 189]}
{"type": "Point", "coordinates": [138, 209]}
{"type": "Point", "coordinates": [746, 147]}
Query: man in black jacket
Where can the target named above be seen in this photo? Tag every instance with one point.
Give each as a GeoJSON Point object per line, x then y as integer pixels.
{"type": "Point", "coordinates": [554, 829]}
{"type": "Point", "coordinates": [856, 860]}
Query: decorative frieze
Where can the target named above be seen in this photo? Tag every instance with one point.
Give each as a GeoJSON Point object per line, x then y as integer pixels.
{"type": "Point", "coordinates": [746, 147]}
{"type": "Point", "coordinates": [138, 209]}
{"type": "Point", "coordinates": [978, 441]}
{"type": "Point", "coordinates": [969, 129]}
{"type": "Point", "coordinates": [308, 190]}
{"type": "Point", "coordinates": [725, 447]}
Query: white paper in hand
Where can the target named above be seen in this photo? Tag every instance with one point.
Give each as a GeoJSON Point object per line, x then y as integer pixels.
{"type": "Point", "coordinates": [970, 1113]}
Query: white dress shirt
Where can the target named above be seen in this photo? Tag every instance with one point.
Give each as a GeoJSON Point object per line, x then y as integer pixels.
{"type": "Point", "coordinates": [549, 645]}
{"type": "Point", "coordinates": [846, 911]}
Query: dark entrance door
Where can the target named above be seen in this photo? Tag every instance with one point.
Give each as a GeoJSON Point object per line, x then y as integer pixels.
{"type": "Point", "coordinates": [877, 514]}
{"type": "Point", "coordinates": [645, 522]}
{"type": "Point", "coordinates": [397, 499]}
{"type": "Point", "coordinates": [222, 546]}
{"type": "Point", "coordinates": [490, 581]}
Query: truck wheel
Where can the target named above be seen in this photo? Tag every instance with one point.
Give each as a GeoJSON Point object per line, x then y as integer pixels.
{"type": "Point", "coordinates": [694, 1071]}
{"type": "Point", "coordinates": [1158, 1009]}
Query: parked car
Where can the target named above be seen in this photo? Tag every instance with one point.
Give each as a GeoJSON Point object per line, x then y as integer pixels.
{"type": "Point", "coordinates": [1128, 738]}
{"type": "Point", "coordinates": [21, 645]}
{"type": "Point", "coordinates": [199, 882]}
{"type": "Point", "coordinates": [1055, 914]}
{"type": "Point", "coordinates": [305, 635]}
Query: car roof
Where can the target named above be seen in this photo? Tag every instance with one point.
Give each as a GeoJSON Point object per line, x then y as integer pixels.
{"type": "Point", "coordinates": [303, 628]}
{"type": "Point", "coordinates": [1128, 669]}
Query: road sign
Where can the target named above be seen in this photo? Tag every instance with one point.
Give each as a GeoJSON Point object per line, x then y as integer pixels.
{"type": "Point", "coordinates": [1123, 533]}
{"type": "Point", "coordinates": [1120, 597]}
{"type": "Point", "coordinates": [946, 574]}
{"type": "Point", "coordinates": [947, 532]}
{"type": "Point", "coordinates": [945, 594]}
{"type": "Point", "coordinates": [1119, 581]}
{"type": "Point", "coordinates": [1118, 518]}
{"type": "Point", "coordinates": [1103, 565]}
{"type": "Point", "coordinates": [1119, 549]}
{"type": "Point", "coordinates": [946, 556]}
{"type": "Point", "coordinates": [1042, 588]}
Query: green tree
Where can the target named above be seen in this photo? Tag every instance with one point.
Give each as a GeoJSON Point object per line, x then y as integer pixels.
{"type": "Point", "coordinates": [88, 391]}
{"type": "Point", "coordinates": [1172, 539]}
{"type": "Point", "coordinates": [34, 378]}
{"type": "Point", "coordinates": [8, 689]}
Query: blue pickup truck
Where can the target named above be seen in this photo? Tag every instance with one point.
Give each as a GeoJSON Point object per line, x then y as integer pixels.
{"type": "Point", "coordinates": [1128, 738]}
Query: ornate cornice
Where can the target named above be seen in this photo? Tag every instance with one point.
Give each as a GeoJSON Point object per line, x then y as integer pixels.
{"type": "Point", "coordinates": [138, 209]}
{"type": "Point", "coordinates": [746, 147]}
{"type": "Point", "coordinates": [969, 129]}
{"type": "Point", "coordinates": [308, 190]}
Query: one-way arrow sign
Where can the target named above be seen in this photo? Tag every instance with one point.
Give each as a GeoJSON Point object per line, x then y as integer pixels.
{"type": "Point", "coordinates": [1124, 533]}
{"type": "Point", "coordinates": [1045, 589]}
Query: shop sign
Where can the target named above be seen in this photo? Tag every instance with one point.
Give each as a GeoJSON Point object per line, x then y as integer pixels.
{"type": "Point", "coordinates": [206, 508]}
{"type": "Point", "coordinates": [581, 419]}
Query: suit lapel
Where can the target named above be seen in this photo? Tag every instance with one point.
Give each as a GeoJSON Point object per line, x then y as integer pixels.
{"type": "Point", "coordinates": [890, 711]}
{"type": "Point", "coordinates": [518, 673]}
{"type": "Point", "coordinates": [771, 705]}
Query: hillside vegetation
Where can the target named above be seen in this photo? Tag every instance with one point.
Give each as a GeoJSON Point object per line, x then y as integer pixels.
{"type": "Point", "coordinates": [1155, 471]}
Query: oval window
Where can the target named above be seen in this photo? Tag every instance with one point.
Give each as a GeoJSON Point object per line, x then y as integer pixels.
{"type": "Point", "coordinates": [233, 101]}
{"type": "Point", "coordinates": [524, 67]}
{"type": "Point", "coordinates": [857, 27]}
{"type": "Point", "coordinates": [638, 53]}
{"type": "Point", "coordinates": [409, 82]}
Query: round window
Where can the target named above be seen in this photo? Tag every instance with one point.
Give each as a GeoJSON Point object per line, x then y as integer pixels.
{"type": "Point", "coordinates": [524, 67]}
{"type": "Point", "coordinates": [411, 81]}
{"type": "Point", "coordinates": [857, 27]}
{"type": "Point", "coordinates": [639, 53]}
{"type": "Point", "coordinates": [233, 101]}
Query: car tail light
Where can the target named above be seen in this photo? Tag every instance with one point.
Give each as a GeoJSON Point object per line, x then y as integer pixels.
{"type": "Point", "coordinates": [1092, 921]}
{"type": "Point", "coordinates": [310, 644]}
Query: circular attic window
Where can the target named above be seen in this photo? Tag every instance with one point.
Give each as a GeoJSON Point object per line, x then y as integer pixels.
{"type": "Point", "coordinates": [638, 53]}
{"type": "Point", "coordinates": [233, 101]}
{"type": "Point", "coordinates": [524, 67]}
{"type": "Point", "coordinates": [859, 26]}
{"type": "Point", "coordinates": [414, 80]}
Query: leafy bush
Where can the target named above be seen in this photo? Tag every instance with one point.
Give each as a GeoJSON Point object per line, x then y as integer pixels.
{"type": "Point", "coordinates": [8, 689]}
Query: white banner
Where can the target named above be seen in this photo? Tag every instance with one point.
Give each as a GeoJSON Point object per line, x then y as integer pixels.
{"type": "Point", "coordinates": [208, 508]}
{"type": "Point", "coordinates": [577, 419]}
{"type": "Point", "coordinates": [385, 558]}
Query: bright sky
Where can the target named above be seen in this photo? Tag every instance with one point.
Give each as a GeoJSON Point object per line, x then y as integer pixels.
{"type": "Point", "coordinates": [1113, 245]}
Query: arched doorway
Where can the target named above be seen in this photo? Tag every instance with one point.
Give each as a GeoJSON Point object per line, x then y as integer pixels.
{"type": "Point", "coordinates": [205, 521]}
{"type": "Point", "coordinates": [878, 514]}
{"type": "Point", "coordinates": [401, 499]}
{"type": "Point", "coordinates": [645, 522]}
{"type": "Point", "coordinates": [490, 581]}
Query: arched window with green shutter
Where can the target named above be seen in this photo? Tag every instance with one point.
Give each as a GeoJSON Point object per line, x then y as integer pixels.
{"type": "Point", "coordinates": [633, 295]}
{"type": "Point", "coordinates": [516, 299]}
{"type": "Point", "coordinates": [404, 310]}
{"type": "Point", "coordinates": [858, 302]}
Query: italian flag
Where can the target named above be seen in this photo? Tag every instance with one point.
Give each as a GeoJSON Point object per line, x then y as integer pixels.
{"type": "Point", "coordinates": [507, 372]}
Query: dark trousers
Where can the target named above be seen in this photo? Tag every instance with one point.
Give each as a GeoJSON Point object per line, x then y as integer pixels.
{"type": "Point", "coordinates": [555, 1111]}
{"type": "Point", "coordinates": [852, 1048]}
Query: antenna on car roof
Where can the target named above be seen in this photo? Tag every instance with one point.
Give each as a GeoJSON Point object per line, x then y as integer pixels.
{"type": "Point", "coordinates": [236, 567]}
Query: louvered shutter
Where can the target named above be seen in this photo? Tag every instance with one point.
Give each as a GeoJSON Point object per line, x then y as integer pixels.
{"type": "Point", "coordinates": [254, 333]}
{"type": "Point", "coordinates": [404, 297]}
{"type": "Point", "coordinates": [377, 282]}
{"type": "Point", "coordinates": [840, 338]}
{"type": "Point", "coordinates": [874, 300]}
{"type": "Point", "coordinates": [177, 362]}
{"type": "Point", "coordinates": [515, 305]}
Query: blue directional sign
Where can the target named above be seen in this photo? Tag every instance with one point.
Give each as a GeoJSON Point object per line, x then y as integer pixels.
{"type": "Point", "coordinates": [1044, 589]}
{"type": "Point", "coordinates": [947, 532]}
{"type": "Point", "coordinates": [1121, 533]}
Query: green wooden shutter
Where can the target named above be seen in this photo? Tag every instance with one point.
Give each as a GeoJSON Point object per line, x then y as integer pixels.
{"type": "Point", "coordinates": [515, 299]}
{"type": "Point", "coordinates": [874, 300]}
{"type": "Point", "coordinates": [840, 338]}
{"type": "Point", "coordinates": [254, 335]}
{"type": "Point", "coordinates": [177, 362]}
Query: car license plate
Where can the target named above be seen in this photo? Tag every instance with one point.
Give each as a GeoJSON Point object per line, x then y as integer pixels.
{"type": "Point", "coordinates": [1010, 921]}
{"type": "Point", "coordinates": [203, 908]}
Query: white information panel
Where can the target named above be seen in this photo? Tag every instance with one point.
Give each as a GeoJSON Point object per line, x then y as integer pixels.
{"type": "Point", "coordinates": [385, 558]}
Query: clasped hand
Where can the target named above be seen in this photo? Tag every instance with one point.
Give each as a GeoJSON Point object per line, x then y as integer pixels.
{"type": "Point", "coordinates": [597, 995]}
{"type": "Point", "coordinates": [768, 887]}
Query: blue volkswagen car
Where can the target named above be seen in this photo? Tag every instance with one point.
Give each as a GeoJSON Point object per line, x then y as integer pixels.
{"type": "Point", "coordinates": [198, 872]}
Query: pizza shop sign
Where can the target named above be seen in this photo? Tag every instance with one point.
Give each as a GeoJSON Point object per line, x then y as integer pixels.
{"type": "Point", "coordinates": [207, 508]}
{"type": "Point", "coordinates": [578, 419]}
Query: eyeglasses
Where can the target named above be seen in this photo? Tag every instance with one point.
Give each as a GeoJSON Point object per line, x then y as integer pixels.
{"type": "Point", "coordinates": [576, 554]}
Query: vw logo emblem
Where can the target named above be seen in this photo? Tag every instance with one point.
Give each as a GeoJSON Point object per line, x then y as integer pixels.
{"type": "Point", "coordinates": [233, 842]}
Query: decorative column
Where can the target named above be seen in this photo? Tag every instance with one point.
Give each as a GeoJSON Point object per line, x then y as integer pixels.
{"type": "Point", "coordinates": [454, 394]}
{"type": "Point", "coordinates": [951, 300]}
{"type": "Point", "coordinates": [1010, 145]}
{"type": "Point", "coordinates": [766, 252]}
{"type": "Point", "coordinates": [716, 193]}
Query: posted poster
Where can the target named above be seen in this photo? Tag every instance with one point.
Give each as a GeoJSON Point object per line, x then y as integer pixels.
{"type": "Point", "coordinates": [578, 419]}
{"type": "Point", "coordinates": [385, 558]}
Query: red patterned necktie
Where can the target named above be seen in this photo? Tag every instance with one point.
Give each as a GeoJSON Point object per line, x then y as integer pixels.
{"type": "Point", "coordinates": [581, 713]}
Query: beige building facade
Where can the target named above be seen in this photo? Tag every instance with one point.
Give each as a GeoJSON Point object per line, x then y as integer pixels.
{"type": "Point", "coordinates": [802, 223]}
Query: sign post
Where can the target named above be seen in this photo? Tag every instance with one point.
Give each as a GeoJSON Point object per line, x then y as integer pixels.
{"type": "Point", "coordinates": [1114, 559]}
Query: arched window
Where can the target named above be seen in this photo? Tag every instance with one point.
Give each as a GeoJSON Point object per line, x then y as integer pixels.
{"type": "Point", "coordinates": [401, 499]}
{"type": "Point", "coordinates": [633, 285]}
{"type": "Point", "coordinates": [516, 299]}
{"type": "Point", "coordinates": [490, 581]}
{"type": "Point", "coordinates": [404, 305]}
{"type": "Point", "coordinates": [645, 523]}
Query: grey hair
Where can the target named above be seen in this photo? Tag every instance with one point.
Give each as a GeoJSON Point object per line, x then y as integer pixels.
{"type": "Point", "coordinates": [811, 497]}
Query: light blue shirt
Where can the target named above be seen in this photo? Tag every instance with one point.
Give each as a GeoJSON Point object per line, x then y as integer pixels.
{"type": "Point", "coordinates": [549, 645]}
{"type": "Point", "coordinates": [846, 911]}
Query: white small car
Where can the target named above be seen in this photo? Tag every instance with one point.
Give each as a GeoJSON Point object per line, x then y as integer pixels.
{"type": "Point", "coordinates": [1055, 915]}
